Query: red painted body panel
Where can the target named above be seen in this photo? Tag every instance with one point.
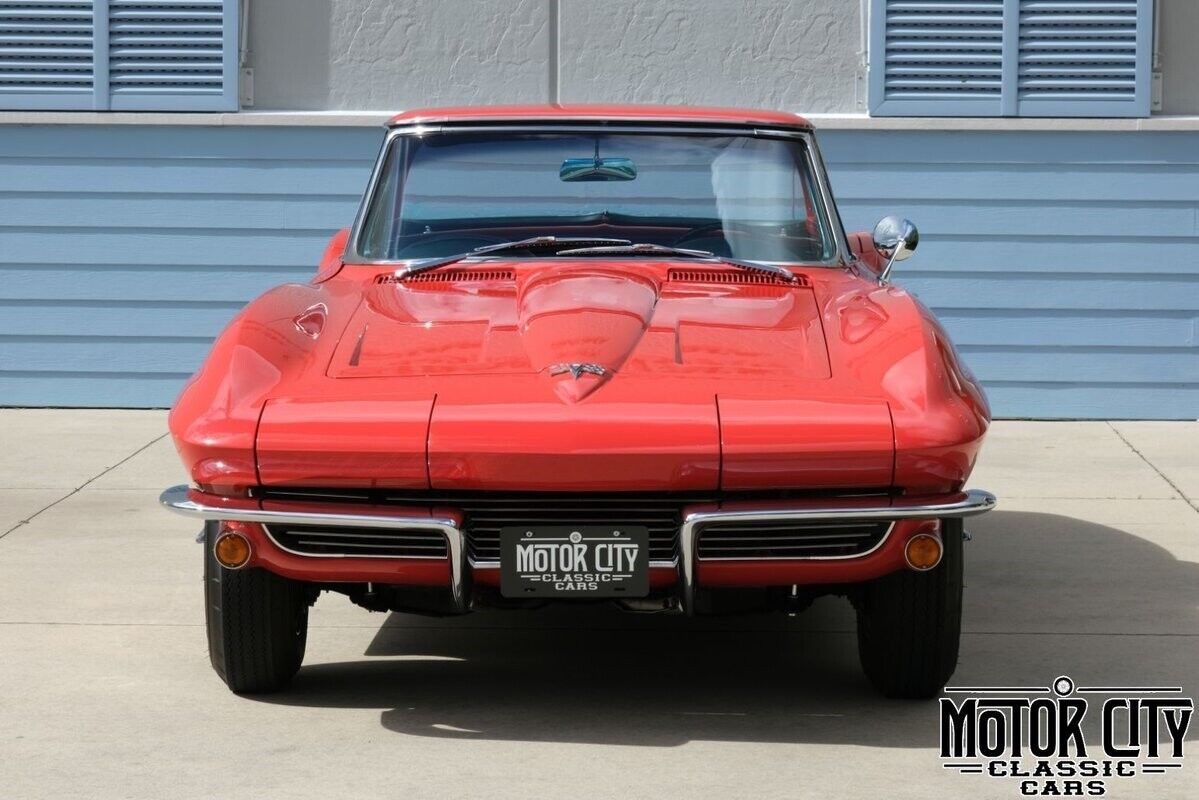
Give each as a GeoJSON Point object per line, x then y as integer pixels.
{"type": "Point", "coordinates": [331, 261]}
{"type": "Point", "coordinates": [861, 244]}
{"type": "Point", "coordinates": [823, 443]}
{"type": "Point", "coordinates": [805, 379]}
{"type": "Point", "coordinates": [350, 443]}
{"type": "Point", "coordinates": [358, 379]}
{"type": "Point", "coordinates": [634, 436]}
{"type": "Point", "coordinates": [788, 419]}
{"type": "Point", "coordinates": [612, 112]}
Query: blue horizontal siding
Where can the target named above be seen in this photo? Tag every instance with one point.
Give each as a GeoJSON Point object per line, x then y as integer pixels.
{"type": "Point", "coordinates": [147, 319]}
{"type": "Point", "coordinates": [992, 149]}
{"type": "Point", "coordinates": [177, 246]}
{"type": "Point", "coordinates": [992, 218]}
{"type": "Point", "coordinates": [196, 176]}
{"type": "Point", "coordinates": [1062, 253]}
{"type": "Point", "coordinates": [1097, 328]}
{"type": "Point", "coordinates": [1065, 265]}
{"type": "Point", "coordinates": [1119, 183]}
{"type": "Point", "coordinates": [1069, 291]}
{"type": "Point", "coordinates": [154, 212]}
{"type": "Point", "coordinates": [142, 282]}
{"type": "Point", "coordinates": [124, 251]}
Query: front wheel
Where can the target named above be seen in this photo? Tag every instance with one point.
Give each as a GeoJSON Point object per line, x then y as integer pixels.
{"type": "Point", "coordinates": [257, 623]}
{"type": "Point", "coordinates": [909, 624]}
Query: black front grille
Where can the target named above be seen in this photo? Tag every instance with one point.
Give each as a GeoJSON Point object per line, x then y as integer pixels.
{"type": "Point", "coordinates": [485, 518]}
{"type": "Point", "coordinates": [486, 513]}
{"type": "Point", "coordinates": [782, 540]}
{"type": "Point", "coordinates": [329, 540]}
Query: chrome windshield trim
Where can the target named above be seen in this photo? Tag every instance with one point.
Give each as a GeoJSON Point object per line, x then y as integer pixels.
{"type": "Point", "coordinates": [968, 504]}
{"type": "Point", "coordinates": [181, 500]}
{"type": "Point", "coordinates": [820, 171]}
{"type": "Point", "coordinates": [353, 256]}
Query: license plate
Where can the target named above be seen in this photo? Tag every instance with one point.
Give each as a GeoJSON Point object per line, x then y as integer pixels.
{"type": "Point", "coordinates": [574, 561]}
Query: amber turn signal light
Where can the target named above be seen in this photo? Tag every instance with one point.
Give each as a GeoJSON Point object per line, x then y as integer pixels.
{"type": "Point", "coordinates": [923, 552]}
{"type": "Point", "coordinates": [232, 550]}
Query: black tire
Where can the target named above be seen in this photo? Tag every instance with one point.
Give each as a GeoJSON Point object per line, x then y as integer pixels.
{"type": "Point", "coordinates": [910, 623]}
{"type": "Point", "coordinates": [257, 624]}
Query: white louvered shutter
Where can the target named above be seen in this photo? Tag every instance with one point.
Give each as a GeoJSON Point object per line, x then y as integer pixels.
{"type": "Point", "coordinates": [119, 55]}
{"type": "Point", "coordinates": [46, 54]}
{"type": "Point", "coordinates": [1089, 57]}
{"type": "Point", "coordinates": [935, 57]}
{"type": "Point", "coordinates": [1070, 58]}
{"type": "Point", "coordinates": [173, 54]}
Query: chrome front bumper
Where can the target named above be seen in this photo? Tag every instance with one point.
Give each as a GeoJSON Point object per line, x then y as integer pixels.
{"type": "Point", "coordinates": [967, 504]}
{"type": "Point", "coordinates": [195, 504]}
{"type": "Point", "coordinates": [182, 500]}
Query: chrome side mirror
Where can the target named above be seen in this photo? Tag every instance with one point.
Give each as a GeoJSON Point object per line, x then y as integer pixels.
{"type": "Point", "coordinates": [895, 238]}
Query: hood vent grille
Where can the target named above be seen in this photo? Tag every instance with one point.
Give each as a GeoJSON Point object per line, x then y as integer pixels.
{"type": "Point", "coordinates": [452, 276]}
{"type": "Point", "coordinates": [723, 276]}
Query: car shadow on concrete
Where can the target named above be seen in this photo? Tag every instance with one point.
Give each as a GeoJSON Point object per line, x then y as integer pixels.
{"type": "Point", "coordinates": [1047, 595]}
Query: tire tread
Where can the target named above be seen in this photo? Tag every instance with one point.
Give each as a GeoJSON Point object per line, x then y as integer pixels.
{"type": "Point", "coordinates": [909, 624]}
{"type": "Point", "coordinates": [256, 622]}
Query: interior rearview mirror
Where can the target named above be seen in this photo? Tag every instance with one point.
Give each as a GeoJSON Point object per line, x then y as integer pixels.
{"type": "Point", "coordinates": [598, 169]}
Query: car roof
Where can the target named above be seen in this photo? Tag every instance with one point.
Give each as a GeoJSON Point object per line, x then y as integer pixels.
{"type": "Point", "coordinates": [621, 113]}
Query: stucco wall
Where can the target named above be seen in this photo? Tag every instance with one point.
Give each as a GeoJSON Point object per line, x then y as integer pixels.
{"type": "Point", "coordinates": [393, 54]}
{"type": "Point", "coordinates": [770, 53]}
{"type": "Point", "coordinates": [1179, 28]}
{"type": "Point", "coordinates": [384, 54]}
{"type": "Point", "coordinates": [795, 54]}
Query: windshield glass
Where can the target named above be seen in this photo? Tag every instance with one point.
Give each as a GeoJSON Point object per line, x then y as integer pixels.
{"type": "Point", "coordinates": [743, 197]}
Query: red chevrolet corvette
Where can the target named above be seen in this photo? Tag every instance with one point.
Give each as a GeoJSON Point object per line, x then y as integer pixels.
{"type": "Point", "coordinates": [592, 352]}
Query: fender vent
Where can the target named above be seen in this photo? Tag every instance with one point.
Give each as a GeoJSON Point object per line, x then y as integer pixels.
{"type": "Point", "coordinates": [743, 277]}
{"type": "Point", "coordinates": [452, 276]}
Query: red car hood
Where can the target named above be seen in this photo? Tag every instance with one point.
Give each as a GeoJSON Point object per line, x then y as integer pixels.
{"type": "Point", "coordinates": [484, 322]}
{"type": "Point", "coordinates": [580, 374]}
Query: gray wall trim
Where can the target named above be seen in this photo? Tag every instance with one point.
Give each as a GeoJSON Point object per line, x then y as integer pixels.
{"type": "Point", "coordinates": [370, 119]}
{"type": "Point", "coordinates": [554, 67]}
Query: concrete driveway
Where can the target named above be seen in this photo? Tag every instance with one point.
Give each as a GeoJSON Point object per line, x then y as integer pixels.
{"type": "Point", "coordinates": [1090, 568]}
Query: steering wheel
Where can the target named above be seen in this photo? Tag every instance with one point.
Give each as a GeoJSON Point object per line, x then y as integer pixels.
{"type": "Point", "coordinates": [418, 244]}
{"type": "Point", "coordinates": [716, 231]}
{"type": "Point", "coordinates": [702, 232]}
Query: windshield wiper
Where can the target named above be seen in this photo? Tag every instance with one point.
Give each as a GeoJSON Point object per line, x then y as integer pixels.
{"type": "Point", "coordinates": [664, 250]}
{"type": "Point", "coordinates": [520, 244]}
